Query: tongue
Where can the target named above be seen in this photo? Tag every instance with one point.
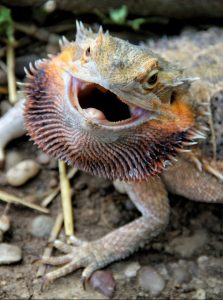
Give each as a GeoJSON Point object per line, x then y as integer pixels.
{"type": "Point", "coordinates": [93, 113]}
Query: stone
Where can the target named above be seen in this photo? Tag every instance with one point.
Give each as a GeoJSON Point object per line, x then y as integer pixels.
{"type": "Point", "coordinates": [22, 172]}
{"type": "Point", "coordinates": [12, 158]}
{"type": "Point", "coordinates": [9, 254]}
{"type": "Point", "coordinates": [41, 226]}
{"type": "Point", "coordinates": [186, 246]}
{"type": "Point", "coordinates": [131, 270]}
{"type": "Point", "coordinates": [150, 280]}
{"type": "Point", "coordinates": [103, 282]}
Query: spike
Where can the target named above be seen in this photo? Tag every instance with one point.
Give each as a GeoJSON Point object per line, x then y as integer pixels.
{"type": "Point", "coordinates": [205, 128]}
{"type": "Point", "coordinates": [197, 163]}
{"type": "Point", "coordinates": [28, 74]}
{"type": "Point", "coordinates": [100, 31]}
{"type": "Point", "coordinates": [189, 143]}
{"type": "Point", "coordinates": [32, 69]}
{"type": "Point", "coordinates": [213, 171]}
{"type": "Point", "coordinates": [77, 26]}
{"type": "Point", "coordinates": [20, 83]}
{"type": "Point", "coordinates": [183, 150]}
{"type": "Point", "coordinates": [206, 113]}
{"type": "Point", "coordinates": [82, 25]}
{"type": "Point", "coordinates": [65, 41]}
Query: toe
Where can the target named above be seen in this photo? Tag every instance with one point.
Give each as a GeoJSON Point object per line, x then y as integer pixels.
{"type": "Point", "coordinates": [67, 269]}
{"type": "Point", "coordinates": [58, 260]}
{"type": "Point", "coordinates": [63, 247]}
{"type": "Point", "coordinates": [75, 241]}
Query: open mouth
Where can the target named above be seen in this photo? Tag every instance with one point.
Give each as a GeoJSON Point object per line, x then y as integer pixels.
{"type": "Point", "coordinates": [102, 106]}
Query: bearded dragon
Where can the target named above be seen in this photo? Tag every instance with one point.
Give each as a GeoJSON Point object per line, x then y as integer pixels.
{"type": "Point", "coordinates": [123, 112]}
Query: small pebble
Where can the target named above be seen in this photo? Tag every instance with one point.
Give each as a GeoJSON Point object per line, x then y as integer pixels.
{"type": "Point", "coordinates": [12, 158]}
{"type": "Point", "coordinates": [103, 282]}
{"type": "Point", "coordinates": [43, 158]}
{"type": "Point", "coordinates": [150, 280]}
{"type": "Point", "coordinates": [200, 294]}
{"type": "Point", "coordinates": [186, 246]}
{"type": "Point", "coordinates": [180, 274]}
{"type": "Point", "coordinates": [42, 226]}
{"type": "Point", "coordinates": [9, 254]}
{"type": "Point", "coordinates": [4, 105]}
{"type": "Point", "coordinates": [53, 182]}
{"type": "Point", "coordinates": [131, 270]}
{"type": "Point", "coordinates": [4, 223]}
{"type": "Point", "coordinates": [119, 186]}
{"type": "Point", "coordinates": [22, 172]}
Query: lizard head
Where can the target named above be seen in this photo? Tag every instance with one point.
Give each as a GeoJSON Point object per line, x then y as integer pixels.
{"type": "Point", "coordinates": [108, 107]}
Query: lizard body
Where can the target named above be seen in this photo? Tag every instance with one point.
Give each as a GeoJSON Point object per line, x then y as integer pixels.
{"type": "Point", "coordinates": [163, 118]}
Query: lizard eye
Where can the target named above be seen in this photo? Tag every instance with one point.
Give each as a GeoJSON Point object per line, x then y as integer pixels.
{"type": "Point", "coordinates": [151, 80]}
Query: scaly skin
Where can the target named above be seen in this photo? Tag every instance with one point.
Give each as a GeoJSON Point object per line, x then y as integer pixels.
{"type": "Point", "coordinates": [84, 137]}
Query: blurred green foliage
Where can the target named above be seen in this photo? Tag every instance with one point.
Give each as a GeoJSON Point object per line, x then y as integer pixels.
{"type": "Point", "coordinates": [6, 24]}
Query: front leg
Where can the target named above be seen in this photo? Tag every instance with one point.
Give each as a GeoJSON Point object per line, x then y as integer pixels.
{"type": "Point", "coordinates": [11, 126]}
{"type": "Point", "coordinates": [151, 199]}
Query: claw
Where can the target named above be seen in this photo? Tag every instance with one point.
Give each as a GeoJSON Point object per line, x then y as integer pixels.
{"type": "Point", "coordinates": [83, 282]}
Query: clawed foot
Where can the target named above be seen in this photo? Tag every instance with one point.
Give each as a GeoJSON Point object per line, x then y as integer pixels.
{"type": "Point", "coordinates": [80, 254]}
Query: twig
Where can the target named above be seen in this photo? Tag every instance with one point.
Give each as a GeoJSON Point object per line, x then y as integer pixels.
{"type": "Point", "coordinates": [66, 200]}
{"type": "Point", "coordinates": [4, 196]}
{"type": "Point", "coordinates": [10, 54]}
{"type": "Point", "coordinates": [48, 250]}
{"type": "Point", "coordinates": [39, 33]}
{"type": "Point", "coordinates": [46, 201]}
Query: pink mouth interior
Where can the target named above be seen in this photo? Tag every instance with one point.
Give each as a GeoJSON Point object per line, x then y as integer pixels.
{"type": "Point", "coordinates": [99, 104]}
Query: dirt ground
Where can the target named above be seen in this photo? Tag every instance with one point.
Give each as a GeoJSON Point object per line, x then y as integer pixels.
{"type": "Point", "coordinates": [188, 255]}
{"type": "Point", "coordinates": [97, 209]}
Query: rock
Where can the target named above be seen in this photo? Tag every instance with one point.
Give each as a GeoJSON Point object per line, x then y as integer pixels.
{"type": "Point", "coordinates": [4, 105]}
{"type": "Point", "coordinates": [131, 270]}
{"type": "Point", "coordinates": [42, 226]}
{"type": "Point", "coordinates": [180, 273]}
{"type": "Point", "coordinates": [186, 246]}
{"type": "Point", "coordinates": [103, 282]}
{"type": "Point", "coordinates": [22, 172]}
{"type": "Point", "coordinates": [9, 254]}
{"type": "Point", "coordinates": [4, 223]}
{"type": "Point", "coordinates": [43, 158]}
{"type": "Point", "coordinates": [12, 158]}
{"type": "Point", "coordinates": [150, 280]}
{"type": "Point", "coordinates": [119, 186]}
{"type": "Point", "coordinates": [200, 294]}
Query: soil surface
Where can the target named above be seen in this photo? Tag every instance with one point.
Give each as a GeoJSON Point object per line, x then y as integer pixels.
{"type": "Point", "coordinates": [98, 208]}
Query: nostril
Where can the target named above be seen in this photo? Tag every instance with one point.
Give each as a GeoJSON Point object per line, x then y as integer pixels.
{"type": "Point", "coordinates": [172, 97]}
